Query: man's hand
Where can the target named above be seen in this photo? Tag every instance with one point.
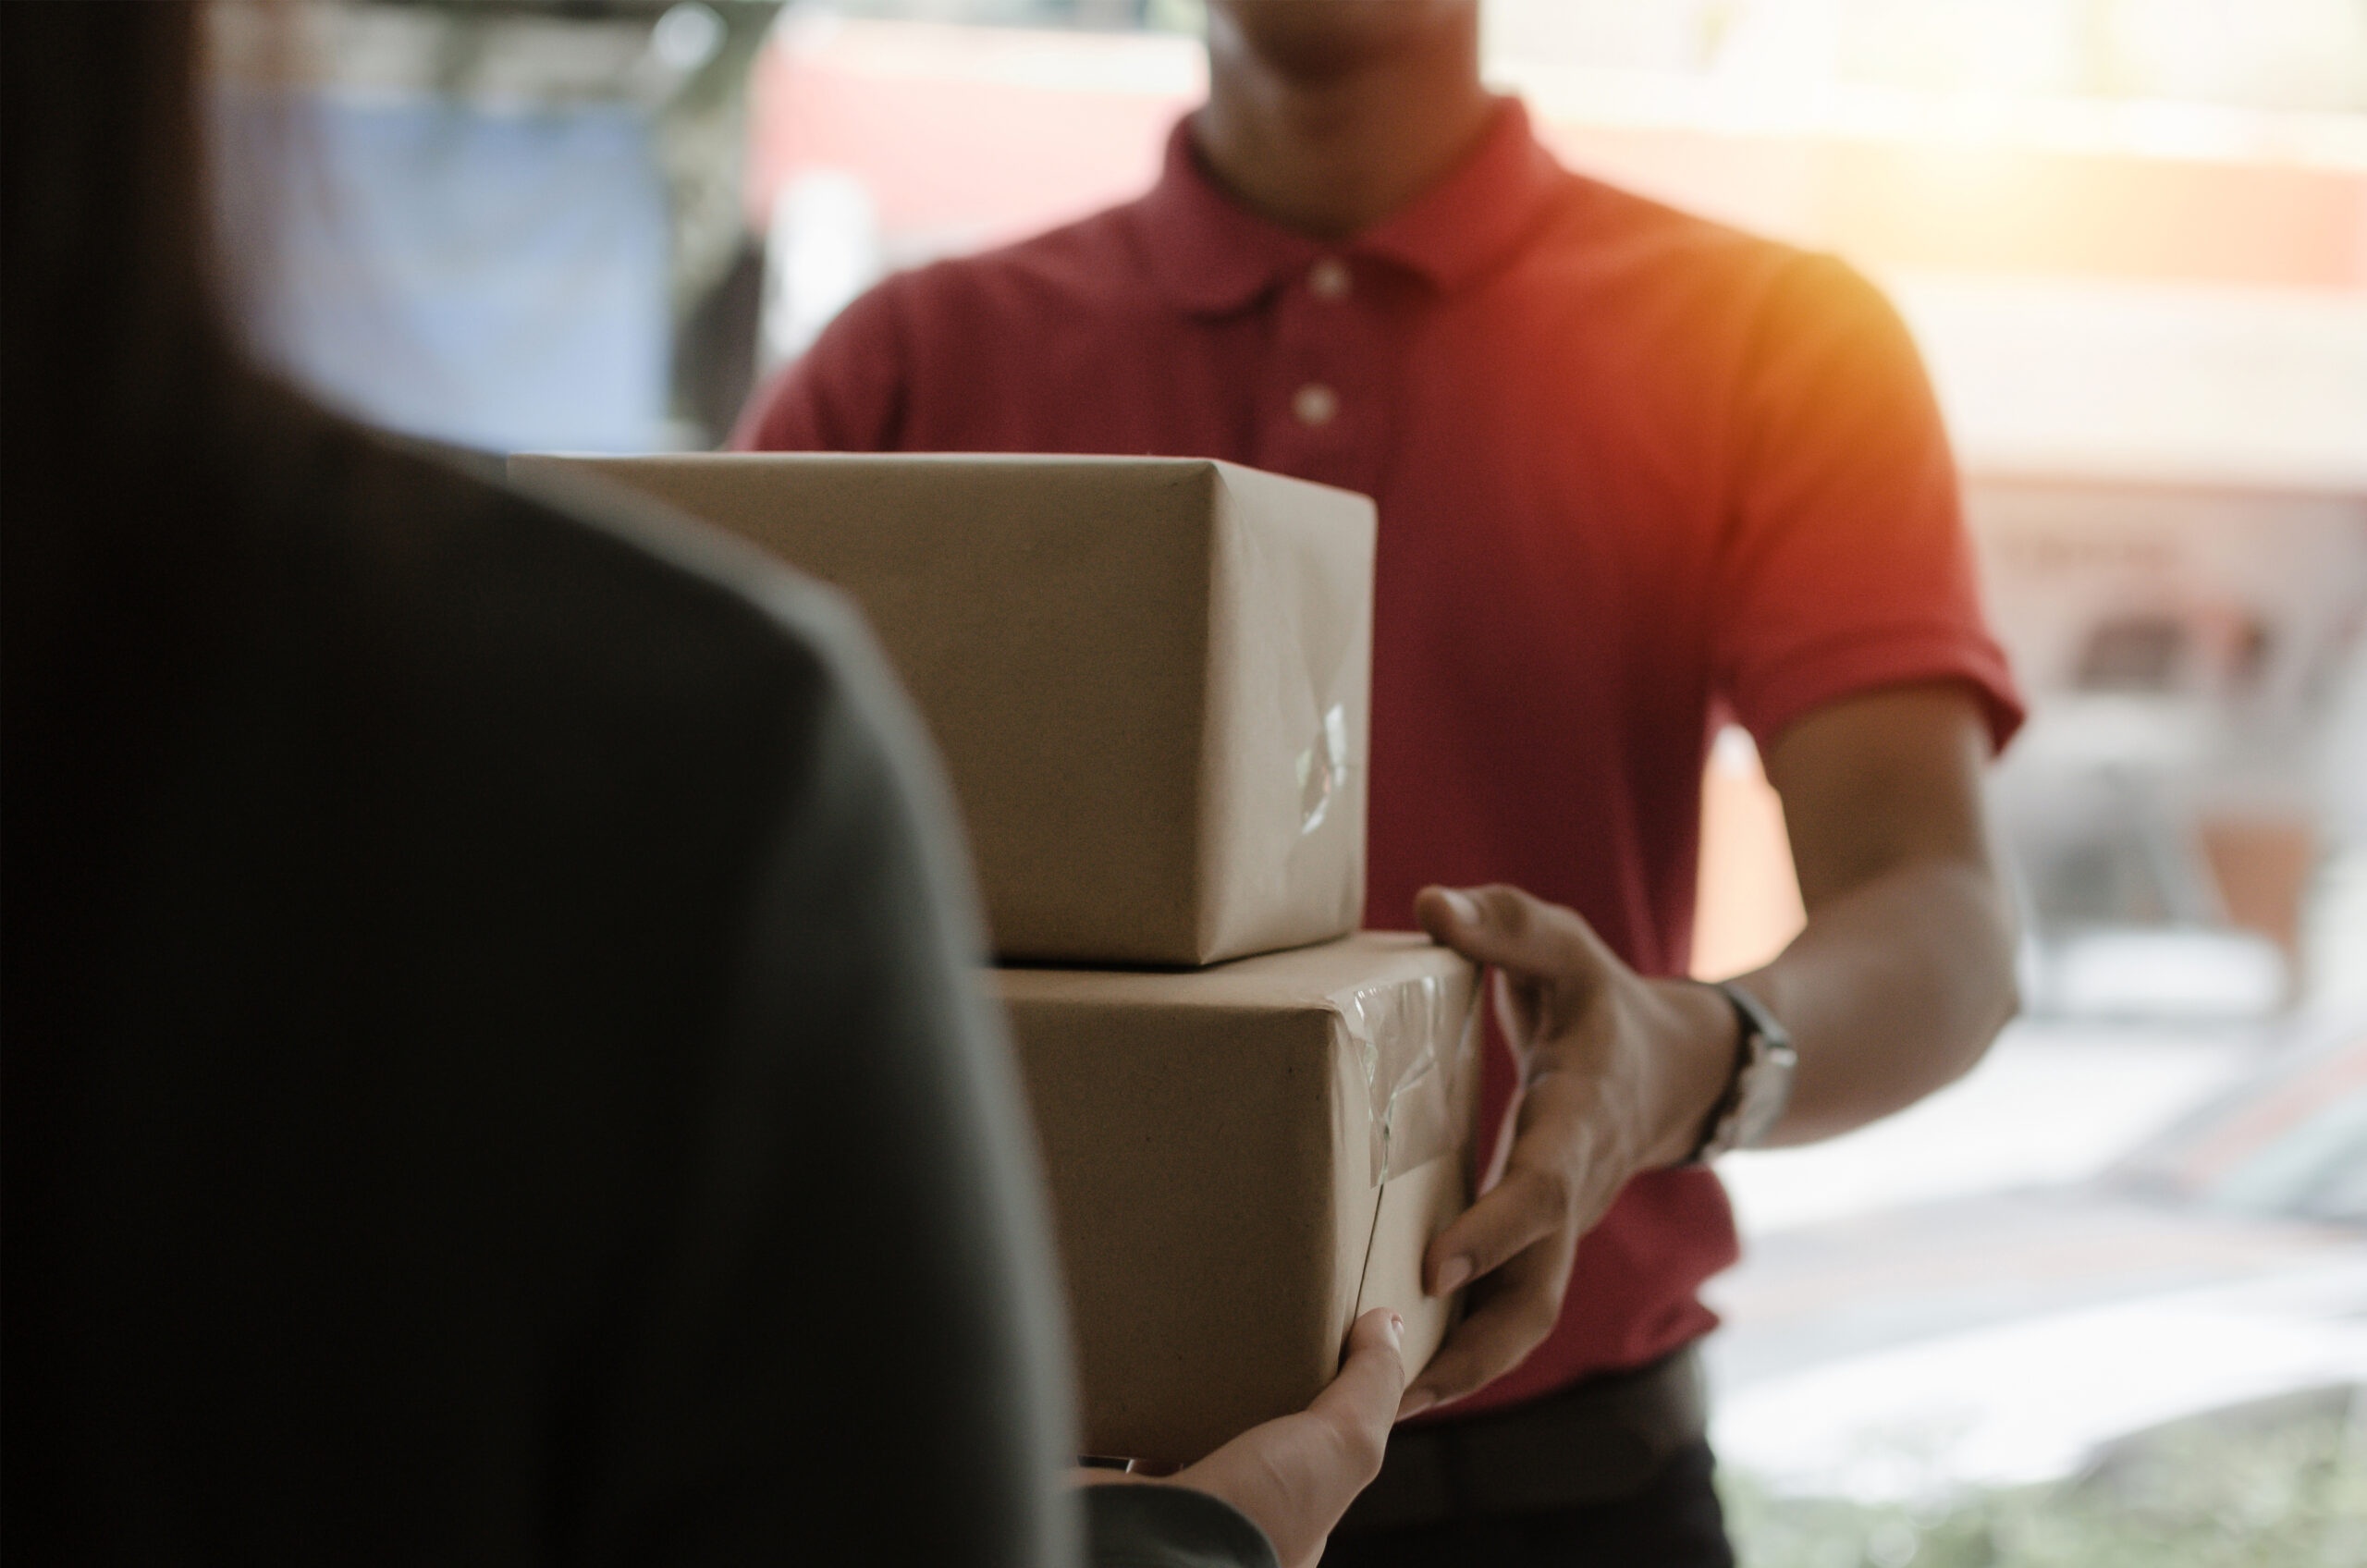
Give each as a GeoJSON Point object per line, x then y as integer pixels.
{"type": "Point", "coordinates": [1295, 1475]}
{"type": "Point", "coordinates": [1618, 1074]}
{"type": "Point", "coordinates": [1902, 977]}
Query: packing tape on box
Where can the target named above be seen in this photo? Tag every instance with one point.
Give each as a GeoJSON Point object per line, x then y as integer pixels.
{"type": "Point", "coordinates": [1331, 635]}
{"type": "Point", "coordinates": [1323, 769]}
{"type": "Point", "coordinates": [1396, 1029]}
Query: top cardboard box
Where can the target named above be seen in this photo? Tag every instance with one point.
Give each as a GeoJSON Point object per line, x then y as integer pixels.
{"type": "Point", "coordinates": [1148, 677]}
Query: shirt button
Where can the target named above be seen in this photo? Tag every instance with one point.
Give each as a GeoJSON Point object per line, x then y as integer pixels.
{"type": "Point", "coordinates": [1315, 403]}
{"type": "Point", "coordinates": [1330, 278]}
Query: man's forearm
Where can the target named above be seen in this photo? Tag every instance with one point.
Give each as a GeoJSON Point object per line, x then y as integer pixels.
{"type": "Point", "coordinates": [1894, 988]}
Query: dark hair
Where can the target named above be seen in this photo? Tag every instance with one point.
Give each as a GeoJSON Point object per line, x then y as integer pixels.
{"type": "Point", "coordinates": [127, 419]}
{"type": "Point", "coordinates": [152, 480]}
{"type": "Point", "coordinates": [108, 296]}
{"type": "Point", "coordinates": [115, 356]}
{"type": "Point", "coordinates": [133, 425]}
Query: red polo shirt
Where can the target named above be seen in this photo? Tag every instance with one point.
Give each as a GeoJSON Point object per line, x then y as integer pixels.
{"type": "Point", "coordinates": [1636, 473]}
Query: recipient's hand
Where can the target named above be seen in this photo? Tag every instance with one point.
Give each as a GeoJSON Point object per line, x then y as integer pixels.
{"type": "Point", "coordinates": [1618, 1074]}
{"type": "Point", "coordinates": [1295, 1475]}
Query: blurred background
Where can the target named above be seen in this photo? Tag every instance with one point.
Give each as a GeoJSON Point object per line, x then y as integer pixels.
{"type": "Point", "coordinates": [2104, 1300]}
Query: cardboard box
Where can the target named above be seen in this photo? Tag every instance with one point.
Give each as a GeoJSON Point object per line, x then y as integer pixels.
{"type": "Point", "coordinates": [1148, 677]}
{"type": "Point", "coordinates": [1240, 1162]}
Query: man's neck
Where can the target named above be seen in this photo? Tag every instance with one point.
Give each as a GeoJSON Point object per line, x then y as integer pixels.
{"type": "Point", "coordinates": [1332, 156]}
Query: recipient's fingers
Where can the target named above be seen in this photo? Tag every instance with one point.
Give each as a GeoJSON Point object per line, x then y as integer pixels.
{"type": "Point", "coordinates": [1362, 1400]}
{"type": "Point", "coordinates": [1297, 1474]}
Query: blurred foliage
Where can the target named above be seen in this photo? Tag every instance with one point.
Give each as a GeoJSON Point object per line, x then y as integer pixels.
{"type": "Point", "coordinates": [2290, 1492]}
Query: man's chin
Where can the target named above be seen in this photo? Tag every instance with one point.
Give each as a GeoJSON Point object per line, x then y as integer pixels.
{"type": "Point", "coordinates": [1317, 39]}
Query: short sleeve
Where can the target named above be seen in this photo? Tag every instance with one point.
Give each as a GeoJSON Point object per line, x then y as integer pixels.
{"type": "Point", "coordinates": [1846, 565]}
{"type": "Point", "coordinates": [844, 394]}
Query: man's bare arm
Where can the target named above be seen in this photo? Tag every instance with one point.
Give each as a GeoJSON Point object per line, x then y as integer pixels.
{"type": "Point", "coordinates": [1900, 979]}
{"type": "Point", "coordinates": [1905, 972]}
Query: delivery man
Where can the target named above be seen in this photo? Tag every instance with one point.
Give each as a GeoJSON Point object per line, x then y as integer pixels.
{"type": "Point", "coordinates": [1637, 474]}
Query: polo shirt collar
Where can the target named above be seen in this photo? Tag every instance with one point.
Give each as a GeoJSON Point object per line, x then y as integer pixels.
{"type": "Point", "coordinates": [1213, 256]}
{"type": "Point", "coordinates": [1467, 221]}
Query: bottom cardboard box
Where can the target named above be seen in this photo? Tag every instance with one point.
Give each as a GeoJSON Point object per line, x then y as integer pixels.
{"type": "Point", "coordinates": [1241, 1159]}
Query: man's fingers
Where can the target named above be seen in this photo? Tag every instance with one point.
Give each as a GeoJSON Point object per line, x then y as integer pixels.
{"type": "Point", "coordinates": [1572, 1150]}
{"type": "Point", "coordinates": [1505, 926]}
{"type": "Point", "coordinates": [1544, 1190]}
{"type": "Point", "coordinates": [1524, 1208]}
{"type": "Point", "coordinates": [1485, 1347]}
{"type": "Point", "coordinates": [1503, 1329]}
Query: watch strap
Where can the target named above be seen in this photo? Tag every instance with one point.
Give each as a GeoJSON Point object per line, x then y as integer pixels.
{"type": "Point", "coordinates": [1755, 1095]}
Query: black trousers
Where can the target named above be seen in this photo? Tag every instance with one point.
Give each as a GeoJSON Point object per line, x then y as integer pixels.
{"type": "Point", "coordinates": [1673, 1522]}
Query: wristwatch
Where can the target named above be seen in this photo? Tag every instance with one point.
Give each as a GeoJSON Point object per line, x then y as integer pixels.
{"type": "Point", "coordinates": [1762, 1086]}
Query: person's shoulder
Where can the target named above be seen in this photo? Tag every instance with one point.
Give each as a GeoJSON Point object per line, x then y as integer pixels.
{"type": "Point", "coordinates": [618, 604]}
{"type": "Point", "coordinates": [1613, 229]}
{"type": "Point", "coordinates": [956, 306]}
{"type": "Point", "coordinates": [1763, 288]}
{"type": "Point", "coordinates": [677, 561]}
{"type": "Point", "coordinates": [909, 353]}
{"type": "Point", "coordinates": [1093, 262]}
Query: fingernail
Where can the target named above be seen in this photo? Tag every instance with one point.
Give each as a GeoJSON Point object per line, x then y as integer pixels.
{"type": "Point", "coordinates": [1453, 1272]}
{"type": "Point", "coordinates": [1415, 1401]}
{"type": "Point", "coordinates": [1396, 1330]}
{"type": "Point", "coordinates": [1466, 912]}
